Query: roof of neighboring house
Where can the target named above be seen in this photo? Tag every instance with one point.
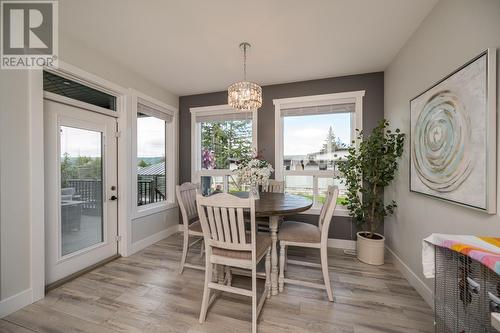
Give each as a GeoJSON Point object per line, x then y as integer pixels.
{"type": "Point", "coordinates": [152, 170]}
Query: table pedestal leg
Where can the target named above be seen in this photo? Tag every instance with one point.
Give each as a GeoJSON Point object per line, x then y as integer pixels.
{"type": "Point", "coordinates": [273, 226]}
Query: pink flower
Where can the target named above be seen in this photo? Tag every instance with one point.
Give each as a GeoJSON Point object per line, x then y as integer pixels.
{"type": "Point", "coordinates": [207, 159]}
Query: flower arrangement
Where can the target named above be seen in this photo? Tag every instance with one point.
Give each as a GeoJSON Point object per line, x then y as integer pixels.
{"type": "Point", "coordinates": [253, 172]}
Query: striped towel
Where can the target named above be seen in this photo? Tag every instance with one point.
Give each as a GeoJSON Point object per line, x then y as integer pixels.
{"type": "Point", "coordinates": [486, 250]}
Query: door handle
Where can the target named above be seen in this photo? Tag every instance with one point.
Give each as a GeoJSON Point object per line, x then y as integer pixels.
{"type": "Point", "coordinates": [113, 197]}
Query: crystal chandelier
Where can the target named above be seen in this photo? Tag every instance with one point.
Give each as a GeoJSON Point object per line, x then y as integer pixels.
{"type": "Point", "coordinates": [244, 95]}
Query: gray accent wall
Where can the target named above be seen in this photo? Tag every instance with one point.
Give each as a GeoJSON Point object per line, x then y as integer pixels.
{"type": "Point", "coordinates": [373, 111]}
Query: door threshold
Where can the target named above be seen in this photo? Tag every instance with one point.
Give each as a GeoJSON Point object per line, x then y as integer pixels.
{"type": "Point", "coordinates": [73, 276]}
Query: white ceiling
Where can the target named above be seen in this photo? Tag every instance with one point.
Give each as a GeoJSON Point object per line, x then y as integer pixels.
{"type": "Point", "coordinates": [191, 46]}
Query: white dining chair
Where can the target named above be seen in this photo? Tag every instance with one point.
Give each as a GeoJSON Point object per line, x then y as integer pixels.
{"type": "Point", "coordinates": [228, 244]}
{"type": "Point", "coordinates": [275, 186]}
{"type": "Point", "coordinates": [186, 197]}
{"type": "Point", "coordinates": [302, 234]}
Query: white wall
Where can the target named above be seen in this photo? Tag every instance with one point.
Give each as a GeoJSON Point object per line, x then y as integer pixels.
{"type": "Point", "coordinates": [77, 54]}
{"type": "Point", "coordinates": [454, 32]}
{"type": "Point", "coordinates": [15, 238]}
{"type": "Point", "coordinates": [14, 183]}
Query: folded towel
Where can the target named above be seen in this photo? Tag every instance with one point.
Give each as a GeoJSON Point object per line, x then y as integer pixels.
{"type": "Point", "coordinates": [483, 249]}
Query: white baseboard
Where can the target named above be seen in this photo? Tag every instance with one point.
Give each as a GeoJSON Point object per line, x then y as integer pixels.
{"type": "Point", "coordinates": [150, 240]}
{"type": "Point", "coordinates": [15, 302]}
{"type": "Point", "coordinates": [419, 285]}
{"type": "Point", "coordinates": [341, 244]}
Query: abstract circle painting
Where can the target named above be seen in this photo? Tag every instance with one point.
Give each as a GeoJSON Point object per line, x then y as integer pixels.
{"type": "Point", "coordinates": [441, 145]}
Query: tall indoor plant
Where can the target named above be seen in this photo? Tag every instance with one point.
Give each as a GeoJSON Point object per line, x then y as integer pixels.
{"type": "Point", "coordinates": [367, 169]}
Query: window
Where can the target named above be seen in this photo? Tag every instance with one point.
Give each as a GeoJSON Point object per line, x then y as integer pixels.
{"type": "Point", "coordinates": [312, 134]}
{"type": "Point", "coordinates": [154, 167]}
{"type": "Point", "coordinates": [65, 87]}
{"type": "Point", "coordinates": [151, 167]}
{"type": "Point", "coordinates": [221, 136]}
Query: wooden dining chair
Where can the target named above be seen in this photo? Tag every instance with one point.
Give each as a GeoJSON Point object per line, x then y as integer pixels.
{"type": "Point", "coordinates": [275, 186]}
{"type": "Point", "coordinates": [228, 244]}
{"type": "Point", "coordinates": [186, 196]}
{"type": "Point", "coordinates": [302, 234]}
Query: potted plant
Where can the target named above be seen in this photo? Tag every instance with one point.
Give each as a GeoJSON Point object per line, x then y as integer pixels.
{"type": "Point", "coordinates": [366, 170]}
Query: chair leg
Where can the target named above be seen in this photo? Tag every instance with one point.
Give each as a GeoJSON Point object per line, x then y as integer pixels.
{"type": "Point", "coordinates": [202, 249]}
{"type": "Point", "coordinates": [268, 273]}
{"type": "Point", "coordinates": [326, 275]}
{"type": "Point", "coordinates": [206, 291]}
{"type": "Point", "coordinates": [281, 279]}
{"type": "Point", "coordinates": [229, 276]}
{"type": "Point", "coordinates": [254, 300]}
{"type": "Point", "coordinates": [184, 251]}
{"type": "Point", "coordinates": [286, 258]}
{"type": "Point", "coordinates": [220, 274]}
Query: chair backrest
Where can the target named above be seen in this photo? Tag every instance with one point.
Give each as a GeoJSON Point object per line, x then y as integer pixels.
{"type": "Point", "coordinates": [223, 221]}
{"type": "Point", "coordinates": [186, 196]}
{"type": "Point", "coordinates": [326, 214]}
{"type": "Point", "coordinates": [275, 186]}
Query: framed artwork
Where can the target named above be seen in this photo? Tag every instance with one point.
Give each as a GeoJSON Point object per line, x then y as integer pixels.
{"type": "Point", "coordinates": [453, 136]}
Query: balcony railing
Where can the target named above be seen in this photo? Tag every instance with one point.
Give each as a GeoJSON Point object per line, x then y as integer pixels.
{"type": "Point", "coordinates": [90, 192]}
{"type": "Point", "coordinates": [150, 190]}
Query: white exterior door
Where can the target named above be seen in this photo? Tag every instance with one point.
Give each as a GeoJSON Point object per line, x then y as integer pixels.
{"type": "Point", "coordinates": [80, 189]}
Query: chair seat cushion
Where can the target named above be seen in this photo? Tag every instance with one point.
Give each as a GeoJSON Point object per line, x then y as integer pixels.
{"type": "Point", "coordinates": [195, 226]}
{"type": "Point", "coordinates": [263, 243]}
{"type": "Point", "coordinates": [300, 232]}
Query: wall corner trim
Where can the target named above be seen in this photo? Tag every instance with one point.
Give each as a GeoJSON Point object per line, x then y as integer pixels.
{"type": "Point", "coordinates": [16, 302]}
{"type": "Point", "coordinates": [150, 240]}
{"type": "Point", "coordinates": [419, 285]}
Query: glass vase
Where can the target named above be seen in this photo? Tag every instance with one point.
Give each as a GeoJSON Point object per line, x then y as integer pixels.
{"type": "Point", "coordinates": [254, 191]}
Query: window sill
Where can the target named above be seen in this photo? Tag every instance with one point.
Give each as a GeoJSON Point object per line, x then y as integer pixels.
{"type": "Point", "coordinates": [151, 209]}
{"type": "Point", "coordinates": [338, 212]}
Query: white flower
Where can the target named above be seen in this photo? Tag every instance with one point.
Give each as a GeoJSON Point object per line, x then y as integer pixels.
{"type": "Point", "coordinates": [254, 172]}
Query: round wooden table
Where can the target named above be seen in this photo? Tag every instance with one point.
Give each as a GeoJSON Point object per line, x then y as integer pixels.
{"type": "Point", "coordinates": [275, 206]}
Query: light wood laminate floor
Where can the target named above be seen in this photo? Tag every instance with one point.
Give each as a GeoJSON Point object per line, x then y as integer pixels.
{"type": "Point", "coordinates": [144, 293]}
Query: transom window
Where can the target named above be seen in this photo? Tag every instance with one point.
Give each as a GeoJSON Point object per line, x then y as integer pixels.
{"type": "Point", "coordinates": [59, 85]}
{"type": "Point", "coordinates": [221, 136]}
{"type": "Point", "coordinates": [312, 134]}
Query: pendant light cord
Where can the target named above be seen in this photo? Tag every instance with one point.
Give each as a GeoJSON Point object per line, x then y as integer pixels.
{"type": "Point", "coordinates": [244, 62]}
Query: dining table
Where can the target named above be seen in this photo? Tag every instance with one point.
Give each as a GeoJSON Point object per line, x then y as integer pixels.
{"type": "Point", "coordinates": [275, 206]}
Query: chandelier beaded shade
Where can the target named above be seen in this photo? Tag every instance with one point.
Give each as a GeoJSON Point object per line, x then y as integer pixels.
{"type": "Point", "coordinates": [244, 95]}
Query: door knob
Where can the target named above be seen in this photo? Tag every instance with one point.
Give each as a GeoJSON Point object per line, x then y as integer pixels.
{"type": "Point", "coordinates": [113, 197]}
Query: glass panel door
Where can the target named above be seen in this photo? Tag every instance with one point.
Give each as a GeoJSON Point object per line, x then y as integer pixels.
{"type": "Point", "coordinates": [81, 193]}
{"type": "Point", "coordinates": [81, 189]}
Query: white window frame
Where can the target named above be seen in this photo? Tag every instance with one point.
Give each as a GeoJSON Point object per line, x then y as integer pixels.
{"type": "Point", "coordinates": [355, 97]}
{"type": "Point", "coordinates": [171, 153]}
{"type": "Point", "coordinates": [196, 171]}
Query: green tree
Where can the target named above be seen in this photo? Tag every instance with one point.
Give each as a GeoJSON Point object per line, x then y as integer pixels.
{"type": "Point", "coordinates": [142, 164]}
{"type": "Point", "coordinates": [68, 170]}
{"type": "Point", "coordinates": [332, 143]}
{"type": "Point", "coordinates": [367, 170]}
{"type": "Point", "coordinates": [82, 160]}
{"type": "Point", "coordinates": [229, 140]}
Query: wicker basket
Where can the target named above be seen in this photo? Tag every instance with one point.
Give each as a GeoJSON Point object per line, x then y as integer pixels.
{"type": "Point", "coordinates": [466, 292]}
